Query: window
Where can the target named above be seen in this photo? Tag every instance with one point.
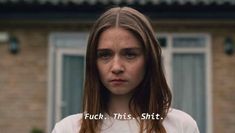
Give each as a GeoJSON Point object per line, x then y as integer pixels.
{"type": "Point", "coordinates": [187, 68]}
{"type": "Point", "coordinates": [66, 75]}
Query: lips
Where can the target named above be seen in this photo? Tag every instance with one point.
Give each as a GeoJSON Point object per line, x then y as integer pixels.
{"type": "Point", "coordinates": [117, 81]}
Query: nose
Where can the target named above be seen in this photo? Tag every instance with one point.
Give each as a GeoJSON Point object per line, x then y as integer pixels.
{"type": "Point", "coordinates": [117, 66]}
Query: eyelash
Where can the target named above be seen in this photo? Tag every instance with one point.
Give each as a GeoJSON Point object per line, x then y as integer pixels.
{"type": "Point", "coordinates": [107, 55]}
{"type": "Point", "coordinates": [104, 55]}
{"type": "Point", "coordinates": [130, 55]}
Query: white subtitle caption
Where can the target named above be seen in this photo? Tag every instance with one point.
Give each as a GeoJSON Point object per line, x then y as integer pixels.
{"type": "Point", "coordinates": [124, 116]}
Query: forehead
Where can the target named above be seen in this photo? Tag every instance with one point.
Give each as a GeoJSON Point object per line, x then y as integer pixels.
{"type": "Point", "coordinates": [117, 37]}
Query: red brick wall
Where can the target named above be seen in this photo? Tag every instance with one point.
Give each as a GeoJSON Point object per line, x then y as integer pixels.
{"type": "Point", "coordinates": [24, 77]}
{"type": "Point", "coordinates": [224, 85]}
{"type": "Point", "coordinates": [23, 83]}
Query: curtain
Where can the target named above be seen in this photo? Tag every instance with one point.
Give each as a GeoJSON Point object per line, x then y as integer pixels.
{"type": "Point", "coordinates": [72, 78]}
{"type": "Point", "coordinates": [189, 86]}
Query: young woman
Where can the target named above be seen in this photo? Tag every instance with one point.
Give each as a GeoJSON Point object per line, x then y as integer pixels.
{"type": "Point", "coordinates": [125, 87]}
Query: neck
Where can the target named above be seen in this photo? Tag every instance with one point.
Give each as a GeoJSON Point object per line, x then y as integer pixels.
{"type": "Point", "coordinates": [119, 104]}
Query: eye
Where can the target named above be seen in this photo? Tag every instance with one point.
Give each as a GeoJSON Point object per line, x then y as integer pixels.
{"type": "Point", "coordinates": [104, 55]}
{"type": "Point", "coordinates": [130, 55]}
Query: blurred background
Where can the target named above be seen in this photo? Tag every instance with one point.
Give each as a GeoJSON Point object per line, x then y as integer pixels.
{"type": "Point", "coordinates": [43, 46]}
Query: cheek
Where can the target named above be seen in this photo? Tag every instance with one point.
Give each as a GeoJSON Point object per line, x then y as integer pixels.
{"type": "Point", "coordinates": [101, 70]}
{"type": "Point", "coordinates": [138, 70]}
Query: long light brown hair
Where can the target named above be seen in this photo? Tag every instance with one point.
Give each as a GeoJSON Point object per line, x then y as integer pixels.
{"type": "Point", "coordinates": [151, 96]}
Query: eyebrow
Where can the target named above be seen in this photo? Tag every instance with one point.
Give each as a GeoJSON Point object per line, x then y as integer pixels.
{"type": "Point", "coordinates": [126, 49]}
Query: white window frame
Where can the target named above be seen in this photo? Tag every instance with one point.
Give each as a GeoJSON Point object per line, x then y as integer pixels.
{"type": "Point", "coordinates": [57, 53]}
{"type": "Point", "coordinates": [168, 55]}
{"type": "Point", "coordinates": [59, 64]}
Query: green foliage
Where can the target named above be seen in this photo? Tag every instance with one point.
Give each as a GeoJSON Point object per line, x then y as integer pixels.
{"type": "Point", "coordinates": [36, 130]}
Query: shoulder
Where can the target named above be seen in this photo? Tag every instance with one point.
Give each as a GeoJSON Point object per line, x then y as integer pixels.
{"type": "Point", "coordinates": [180, 121]}
{"type": "Point", "coordinates": [70, 124]}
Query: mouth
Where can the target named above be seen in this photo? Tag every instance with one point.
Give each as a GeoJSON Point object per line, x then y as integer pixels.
{"type": "Point", "coordinates": [118, 81]}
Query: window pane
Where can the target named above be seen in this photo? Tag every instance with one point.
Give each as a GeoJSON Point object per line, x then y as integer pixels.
{"type": "Point", "coordinates": [189, 86]}
{"type": "Point", "coordinates": [162, 41]}
{"type": "Point", "coordinates": [73, 71]}
{"type": "Point", "coordinates": [188, 42]}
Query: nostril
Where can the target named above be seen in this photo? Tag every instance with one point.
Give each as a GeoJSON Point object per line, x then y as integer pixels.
{"type": "Point", "coordinates": [117, 70]}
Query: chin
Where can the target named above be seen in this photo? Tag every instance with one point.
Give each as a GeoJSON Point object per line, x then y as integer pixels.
{"type": "Point", "coordinates": [120, 92]}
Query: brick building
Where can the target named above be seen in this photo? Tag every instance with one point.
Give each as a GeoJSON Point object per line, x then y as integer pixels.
{"type": "Point", "coordinates": [42, 82]}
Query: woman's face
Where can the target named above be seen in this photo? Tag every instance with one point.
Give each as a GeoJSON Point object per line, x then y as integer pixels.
{"type": "Point", "coordinates": [120, 61]}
